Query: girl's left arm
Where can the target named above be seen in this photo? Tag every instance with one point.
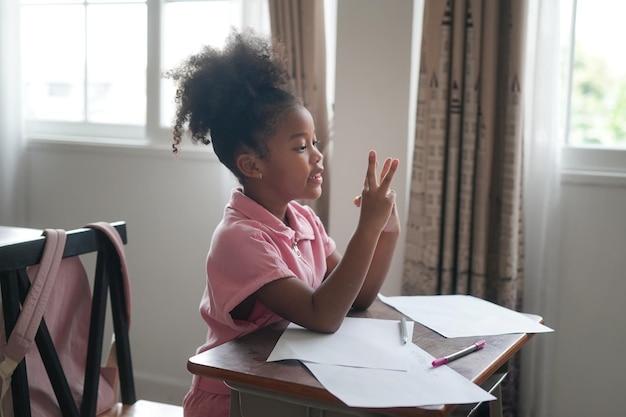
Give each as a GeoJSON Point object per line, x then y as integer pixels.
{"type": "Point", "coordinates": [381, 262]}
{"type": "Point", "coordinates": [379, 267]}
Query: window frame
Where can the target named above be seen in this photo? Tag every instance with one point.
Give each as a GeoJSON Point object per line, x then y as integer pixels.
{"type": "Point", "coordinates": [152, 133]}
{"type": "Point", "coordinates": [587, 164]}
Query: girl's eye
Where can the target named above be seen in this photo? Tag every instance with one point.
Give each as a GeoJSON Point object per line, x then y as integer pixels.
{"type": "Point", "coordinates": [303, 147]}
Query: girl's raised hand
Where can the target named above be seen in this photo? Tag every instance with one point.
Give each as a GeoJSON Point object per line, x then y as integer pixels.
{"type": "Point", "coordinates": [377, 200]}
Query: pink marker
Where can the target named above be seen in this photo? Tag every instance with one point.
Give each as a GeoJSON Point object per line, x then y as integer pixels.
{"type": "Point", "coordinates": [445, 359]}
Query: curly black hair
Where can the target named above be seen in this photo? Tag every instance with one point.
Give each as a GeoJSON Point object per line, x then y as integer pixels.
{"type": "Point", "coordinates": [234, 97]}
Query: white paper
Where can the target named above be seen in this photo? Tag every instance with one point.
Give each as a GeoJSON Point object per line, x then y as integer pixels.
{"type": "Point", "coordinates": [361, 342]}
{"type": "Point", "coordinates": [420, 386]}
{"type": "Point", "coordinates": [463, 315]}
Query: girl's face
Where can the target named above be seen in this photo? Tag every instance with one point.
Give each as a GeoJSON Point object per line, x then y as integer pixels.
{"type": "Point", "coordinates": [293, 168]}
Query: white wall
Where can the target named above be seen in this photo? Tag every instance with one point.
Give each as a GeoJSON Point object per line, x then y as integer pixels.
{"type": "Point", "coordinates": [172, 206]}
{"type": "Point", "coordinates": [374, 92]}
{"type": "Point", "coordinates": [589, 366]}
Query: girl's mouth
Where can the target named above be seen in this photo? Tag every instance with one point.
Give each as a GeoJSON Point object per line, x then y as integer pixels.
{"type": "Point", "coordinates": [316, 178]}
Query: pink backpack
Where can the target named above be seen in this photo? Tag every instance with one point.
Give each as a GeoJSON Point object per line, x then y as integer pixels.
{"type": "Point", "coordinates": [61, 293]}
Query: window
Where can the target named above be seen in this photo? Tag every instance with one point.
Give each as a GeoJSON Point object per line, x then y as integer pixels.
{"type": "Point", "coordinates": [598, 80]}
{"type": "Point", "coordinates": [93, 68]}
{"type": "Point", "coordinates": [594, 74]}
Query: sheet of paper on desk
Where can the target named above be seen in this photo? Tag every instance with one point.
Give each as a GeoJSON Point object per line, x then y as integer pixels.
{"type": "Point", "coordinates": [463, 315]}
{"type": "Point", "coordinates": [362, 342]}
{"type": "Point", "coordinates": [422, 385]}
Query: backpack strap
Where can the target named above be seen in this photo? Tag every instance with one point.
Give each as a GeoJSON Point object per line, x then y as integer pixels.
{"type": "Point", "coordinates": [115, 238]}
{"type": "Point", "coordinates": [33, 308]}
{"type": "Point", "coordinates": [111, 371]}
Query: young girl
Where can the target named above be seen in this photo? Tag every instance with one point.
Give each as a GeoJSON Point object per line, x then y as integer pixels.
{"type": "Point", "coordinates": [270, 257]}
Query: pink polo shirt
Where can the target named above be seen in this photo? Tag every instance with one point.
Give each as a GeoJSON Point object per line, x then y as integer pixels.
{"type": "Point", "coordinates": [251, 247]}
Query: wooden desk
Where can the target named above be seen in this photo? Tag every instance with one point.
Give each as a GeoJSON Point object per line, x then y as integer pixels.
{"type": "Point", "coordinates": [242, 364]}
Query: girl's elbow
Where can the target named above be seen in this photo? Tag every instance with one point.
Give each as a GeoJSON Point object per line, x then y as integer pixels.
{"type": "Point", "coordinates": [364, 302]}
{"type": "Point", "coordinates": [328, 328]}
{"type": "Point", "coordinates": [366, 297]}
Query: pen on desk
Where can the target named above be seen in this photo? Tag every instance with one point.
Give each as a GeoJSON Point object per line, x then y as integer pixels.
{"type": "Point", "coordinates": [473, 348]}
{"type": "Point", "coordinates": [403, 334]}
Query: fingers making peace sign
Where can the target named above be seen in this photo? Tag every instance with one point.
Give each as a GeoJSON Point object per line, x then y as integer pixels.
{"type": "Point", "coordinates": [378, 200]}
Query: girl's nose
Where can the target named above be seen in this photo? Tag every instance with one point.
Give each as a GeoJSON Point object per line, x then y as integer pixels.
{"type": "Point", "coordinates": [317, 155]}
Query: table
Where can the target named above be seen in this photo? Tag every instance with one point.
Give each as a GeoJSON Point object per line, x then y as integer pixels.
{"type": "Point", "coordinates": [241, 363]}
{"type": "Point", "coordinates": [11, 234]}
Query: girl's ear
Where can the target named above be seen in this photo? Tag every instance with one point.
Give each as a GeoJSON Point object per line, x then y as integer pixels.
{"type": "Point", "coordinates": [248, 165]}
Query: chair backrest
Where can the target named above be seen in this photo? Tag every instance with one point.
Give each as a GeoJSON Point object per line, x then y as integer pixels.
{"type": "Point", "coordinates": [15, 258]}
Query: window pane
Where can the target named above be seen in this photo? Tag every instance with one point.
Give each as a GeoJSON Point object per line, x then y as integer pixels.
{"type": "Point", "coordinates": [116, 63]}
{"type": "Point", "coordinates": [598, 95]}
{"type": "Point", "coordinates": [116, 1]}
{"type": "Point", "coordinates": [187, 26]}
{"type": "Point", "coordinates": [85, 63]}
{"type": "Point", "coordinates": [52, 2]}
{"type": "Point", "coordinates": [53, 77]}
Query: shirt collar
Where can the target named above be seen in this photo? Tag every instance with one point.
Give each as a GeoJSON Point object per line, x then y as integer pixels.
{"type": "Point", "coordinates": [300, 227]}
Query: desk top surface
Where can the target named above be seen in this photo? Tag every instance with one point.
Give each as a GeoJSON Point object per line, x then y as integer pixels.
{"type": "Point", "coordinates": [11, 234]}
{"type": "Point", "coordinates": [243, 360]}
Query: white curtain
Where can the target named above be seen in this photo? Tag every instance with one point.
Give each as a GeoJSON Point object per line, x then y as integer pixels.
{"type": "Point", "coordinates": [12, 180]}
{"type": "Point", "coordinates": [543, 140]}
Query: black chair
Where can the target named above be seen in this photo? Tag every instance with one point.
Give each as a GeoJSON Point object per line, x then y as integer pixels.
{"type": "Point", "coordinates": [15, 258]}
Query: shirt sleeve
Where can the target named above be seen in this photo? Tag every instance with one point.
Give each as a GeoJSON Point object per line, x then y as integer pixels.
{"type": "Point", "coordinates": [241, 261]}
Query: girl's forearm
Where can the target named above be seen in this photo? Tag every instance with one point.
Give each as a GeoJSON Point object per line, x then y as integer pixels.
{"type": "Point", "coordinates": [377, 272]}
{"type": "Point", "coordinates": [334, 298]}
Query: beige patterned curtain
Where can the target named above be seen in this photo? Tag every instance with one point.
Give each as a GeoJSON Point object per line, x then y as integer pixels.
{"type": "Point", "coordinates": [464, 231]}
{"type": "Point", "coordinates": [299, 24]}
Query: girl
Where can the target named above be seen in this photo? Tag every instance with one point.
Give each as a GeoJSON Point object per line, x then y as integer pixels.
{"type": "Point", "coordinates": [270, 257]}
